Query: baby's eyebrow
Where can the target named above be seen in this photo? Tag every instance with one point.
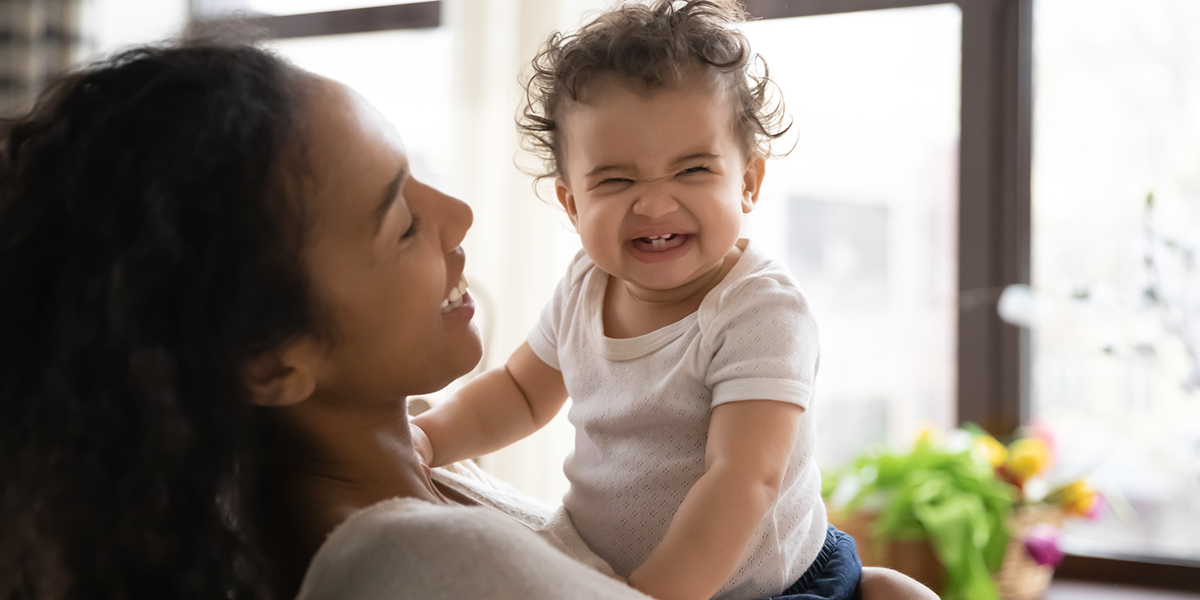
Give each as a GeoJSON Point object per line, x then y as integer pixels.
{"type": "Point", "coordinates": [605, 168]}
{"type": "Point", "coordinates": [695, 156]}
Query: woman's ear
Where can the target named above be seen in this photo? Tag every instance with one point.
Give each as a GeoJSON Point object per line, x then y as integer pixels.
{"type": "Point", "coordinates": [567, 200]}
{"type": "Point", "coordinates": [756, 169]}
{"type": "Point", "coordinates": [284, 377]}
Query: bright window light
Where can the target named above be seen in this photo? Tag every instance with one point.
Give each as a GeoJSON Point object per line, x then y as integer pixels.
{"type": "Point", "coordinates": [294, 7]}
{"type": "Point", "coordinates": [864, 211]}
{"type": "Point", "coordinates": [1116, 118]}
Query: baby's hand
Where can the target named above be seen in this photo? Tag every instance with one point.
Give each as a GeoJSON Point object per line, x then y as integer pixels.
{"type": "Point", "coordinates": [421, 444]}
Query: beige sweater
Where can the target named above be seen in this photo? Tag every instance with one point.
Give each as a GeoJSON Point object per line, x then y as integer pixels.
{"type": "Point", "coordinates": [512, 546]}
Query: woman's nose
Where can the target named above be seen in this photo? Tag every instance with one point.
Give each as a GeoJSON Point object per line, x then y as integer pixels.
{"type": "Point", "coordinates": [656, 201]}
{"type": "Point", "coordinates": [458, 220]}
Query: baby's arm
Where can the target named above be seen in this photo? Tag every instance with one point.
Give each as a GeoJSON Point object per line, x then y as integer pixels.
{"type": "Point", "coordinates": [749, 447]}
{"type": "Point", "coordinates": [494, 410]}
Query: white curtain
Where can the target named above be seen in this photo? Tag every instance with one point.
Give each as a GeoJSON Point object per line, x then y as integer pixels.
{"type": "Point", "coordinates": [519, 247]}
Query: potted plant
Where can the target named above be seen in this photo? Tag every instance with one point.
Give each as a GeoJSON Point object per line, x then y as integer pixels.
{"type": "Point", "coordinates": [965, 514]}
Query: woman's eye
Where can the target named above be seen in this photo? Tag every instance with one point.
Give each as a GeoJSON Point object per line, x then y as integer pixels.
{"type": "Point", "coordinates": [616, 180]}
{"type": "Point", "coordinates": [694, 170]}
{"type": "Point", "coordinates": [412, 228]}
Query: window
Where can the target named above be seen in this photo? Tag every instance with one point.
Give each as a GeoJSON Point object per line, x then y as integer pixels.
{"type": "Point", "coordinates": [1117, 118]}
{"type": "Point", "coordinates": [864, 211]}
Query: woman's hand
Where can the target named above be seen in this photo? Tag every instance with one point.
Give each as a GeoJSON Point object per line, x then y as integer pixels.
{"type": "Point", "coordinates": [421, 444]}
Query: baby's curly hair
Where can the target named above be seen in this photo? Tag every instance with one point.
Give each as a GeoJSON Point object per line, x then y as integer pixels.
{"type": "Point", "coordinates": [659, 42]}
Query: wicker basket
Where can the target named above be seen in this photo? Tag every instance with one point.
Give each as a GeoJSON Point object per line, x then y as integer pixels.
{"type": "Point", "coordinates": [1020, 578]}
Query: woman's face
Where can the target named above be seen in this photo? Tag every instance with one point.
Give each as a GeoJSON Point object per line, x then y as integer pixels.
{"type": "Point", "coordinates": [383, 257]}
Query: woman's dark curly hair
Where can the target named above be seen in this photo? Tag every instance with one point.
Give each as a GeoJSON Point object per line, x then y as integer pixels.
{"type": "Point", "coordinates": [660, 43]}
{"type": "Point", "coordinates": [150, 244]}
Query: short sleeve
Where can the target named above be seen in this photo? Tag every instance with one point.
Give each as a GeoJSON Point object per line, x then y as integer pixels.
{"type": "Point", "coordinates": [543, 338]}
{"type": "Point", "coordinates": [764, 344]}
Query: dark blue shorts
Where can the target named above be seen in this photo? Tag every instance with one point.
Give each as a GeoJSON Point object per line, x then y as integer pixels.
{"type": "Point", "coordinates": [834, 575]}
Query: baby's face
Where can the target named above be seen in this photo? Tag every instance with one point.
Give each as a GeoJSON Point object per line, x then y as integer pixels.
{"type": "Point", "coordinates": [655, 181]}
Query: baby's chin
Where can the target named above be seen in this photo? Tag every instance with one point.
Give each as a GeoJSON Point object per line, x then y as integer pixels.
{"type": "Point", "coordinates": [667, 282]}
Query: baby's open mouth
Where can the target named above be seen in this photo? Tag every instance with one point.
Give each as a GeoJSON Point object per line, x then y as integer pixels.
{"type": "Point", "coordinates": [660, 243]}
{"type": "Point", "coordinates": [455, 298]}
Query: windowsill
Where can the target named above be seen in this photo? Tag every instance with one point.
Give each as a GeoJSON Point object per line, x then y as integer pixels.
{"type": "Point", "coordinates": [1124, 572]}
{"type": "Point", "coordinates": [1078, 590]}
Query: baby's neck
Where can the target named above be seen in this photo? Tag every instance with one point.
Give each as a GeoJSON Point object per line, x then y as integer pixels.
{"type": "Point", "coordinates": [631, 310]}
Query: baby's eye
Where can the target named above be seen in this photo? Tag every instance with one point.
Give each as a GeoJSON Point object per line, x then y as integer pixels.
{"type": "Point", "coordinates": [694, 170]}
{"type": "Point", "coordinates": [615, 180]}
{"type": "Point", "coordinates": [412, 229]}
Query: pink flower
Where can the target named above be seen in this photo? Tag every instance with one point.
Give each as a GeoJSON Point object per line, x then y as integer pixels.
{"type": "Point", "coordinates": [1041, 543]}
{"type": "Point", "coordinates": [1098, 505]}
{"type": "Point", "coordinates": [1041, 430]}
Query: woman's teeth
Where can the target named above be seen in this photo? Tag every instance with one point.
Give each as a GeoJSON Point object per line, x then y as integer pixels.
{"type": "Point", "coordinates": [454, 299]}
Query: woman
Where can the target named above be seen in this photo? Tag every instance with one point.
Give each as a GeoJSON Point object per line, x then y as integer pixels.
{"type": "Point", "coordinates": [218, 284]}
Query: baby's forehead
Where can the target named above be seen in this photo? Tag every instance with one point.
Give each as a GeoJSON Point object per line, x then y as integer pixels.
{"type": "Point", "coordinates": [697, 77]}
{"type": "Point", "coordinates": [628, 123]}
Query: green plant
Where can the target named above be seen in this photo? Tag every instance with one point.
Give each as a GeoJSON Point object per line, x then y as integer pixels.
{"type": "Point", "coordinates": [961, 493]}
{"type": "Point", "coordinates": [949, 496]}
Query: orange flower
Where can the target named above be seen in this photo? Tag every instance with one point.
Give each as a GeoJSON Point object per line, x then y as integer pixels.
{"type": "Point", "coordinates": [987, 446]}
{"type": "Point", "coordinates": [1027, 457]}
{"type": "Point", "coordinates": [1079, 498]}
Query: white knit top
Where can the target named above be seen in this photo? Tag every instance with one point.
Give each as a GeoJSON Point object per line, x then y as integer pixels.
{"type": "Point", "coordinates": [511, 547]}
{"type": "Point", "coordinates": [641, 407]}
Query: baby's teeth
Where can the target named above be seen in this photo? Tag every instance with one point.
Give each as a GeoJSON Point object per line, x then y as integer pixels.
{"type": "Point", "coordinates": [658, 242]}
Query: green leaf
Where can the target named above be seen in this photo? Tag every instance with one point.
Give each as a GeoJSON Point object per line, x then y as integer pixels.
{"type": "Point", "coordinates": [953, 499]}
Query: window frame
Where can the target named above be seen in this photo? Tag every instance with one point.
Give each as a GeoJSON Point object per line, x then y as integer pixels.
{"type": "Point", "coordinates": [415, 15]}
{"type": "Point", "coordinates": [994, 235]}
{"type": "Point", "coordinates": [994, 194]}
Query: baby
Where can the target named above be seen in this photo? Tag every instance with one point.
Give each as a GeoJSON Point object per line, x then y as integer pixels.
{"type": "Point", "coordinates": [690, 355]}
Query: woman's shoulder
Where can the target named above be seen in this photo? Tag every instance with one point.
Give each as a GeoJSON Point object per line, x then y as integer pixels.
{"type": "Point", "coordinates": [378, 530]}
{"type": "Point", "coordinates": [485, 489]}
{"type": "Point", "coordinates": [395, 547]}
{"type": "Point", "coordinates": [404, 547]}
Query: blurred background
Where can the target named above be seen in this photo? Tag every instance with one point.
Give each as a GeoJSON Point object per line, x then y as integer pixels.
{"type": "Point", "coordinates": [943, 153]}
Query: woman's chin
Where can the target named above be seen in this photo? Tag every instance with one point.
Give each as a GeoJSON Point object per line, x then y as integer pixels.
{"type": "Point", "coordinates": [474, 351]}
{"type": "Point", "coordinates": [469, 353]}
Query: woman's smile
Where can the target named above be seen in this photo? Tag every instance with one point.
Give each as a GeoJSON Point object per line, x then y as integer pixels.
{"type": "Point", "coordinates": [458, 304]}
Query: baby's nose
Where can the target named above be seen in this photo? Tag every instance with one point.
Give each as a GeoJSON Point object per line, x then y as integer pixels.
{"type": "Point", "coordinates": [656, 201]}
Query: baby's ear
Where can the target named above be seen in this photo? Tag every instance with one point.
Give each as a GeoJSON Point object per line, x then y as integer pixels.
{"type": "Point", "coordinates": [567, 200]}
{"type": "Point", "coordinates": [756, 169]}
{"type": "Point", "coordinates": [283, 377]}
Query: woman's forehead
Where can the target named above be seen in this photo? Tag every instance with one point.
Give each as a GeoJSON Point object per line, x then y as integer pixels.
{"type": "Point", "coordinates": [353, 151]}
{"type": "Point", "coordinates": [337, 109]}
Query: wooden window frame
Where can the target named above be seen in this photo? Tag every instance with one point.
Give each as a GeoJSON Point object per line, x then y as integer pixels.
{"type": "Point", "coordinates": [417, 15]}
{"type": "Point", "coordinates": [993, 357]}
